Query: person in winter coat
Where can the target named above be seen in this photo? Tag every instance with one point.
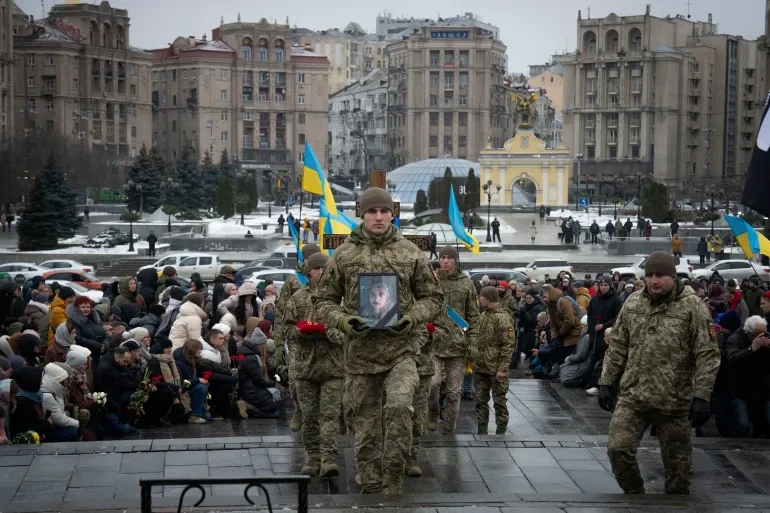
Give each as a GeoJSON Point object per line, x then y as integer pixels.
{"type": "Point", "coordinates": [702, 250]}
{"type": "Point", "coordinates": [244, 304]}
{"type": "Point", "coordinates": [64, 338]}
{"type": "Point", "coordinates": [37, 309]}
{"type": "Point", "coordinates": [29, 414]}
{"type": "Point", "coordinates": [629, 289]}
{"type": "Point", "coordinates": [150, 321]}
{"type": "Point", "coordinates": [176, 298]}
{"type": "Point", "coordinates": [114, 377]}
{"type": "Point", "coordinates": [55, 384]}
{"type": "Point", "coordinates": [565, 323]}
{"type": "Point", "coordinates": [187, 360]}
{"type": "Point", "coordinates": [28, 349]}
{"type": "Point", "coordinates": [716, 246]}
{"type": "Point", "coordinates": [610, 229]}
{"type": "Point", "coordinates": [65, 297]}
{"type": "Point", "coordinates": [648, 230]}
{"type": "Point", "coordinates": [253, 386]}
{"type": "Point", "coordinates": [602, 312]}
{"type": "Point", "coordinates": [527, 322]}
{"type": "Point", "coordinates": [582, 297]}
{"type": "Point", "coordinates": [148, 283]}
{"type": "Point", "coordinates": [676, 246]}
{"type": "Point", "coordinates": [736, 302]}
{"type": "Point", "coordinates": [226, 275]}
{"type": "Point", "coordinates": [717, 303]}
{"type": "Point", "coordinates": [168, 273]}
{"type": "Point", "coordinates": [629, 227]}
{"type": "Point", "coordinates": [89, 331]}
{"type": "Point", "coordinates": [619, 229]}
{"type": "Point", "coordinates": [748, 358]}
{"type": "Point", "coordinates": [595, 232]}
{"type": "Point", "coordinates": [80, 395]}
{"type": "Point", "coordinates": [533, 231]}
{"type": "Point", "coordinates": [189, 323]}
{"type": "Point", "coordinates": [142, 336]}
{"type": "Point", "coordinates": [617, 285]}
{"type": "Point", "coordinates": [216, 360]}
{"type": "Point", "coordinates": [753, 295]}
{"type": "Point", "coordinates": [8, 392]}
{"type": "Point", "coordinates": [129, 294]}
{"type": "Point", "coordinates": [577, 368]}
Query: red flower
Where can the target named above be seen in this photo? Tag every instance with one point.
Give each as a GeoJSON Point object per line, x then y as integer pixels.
{"type": "Point", "coordinates": [157, 379]}
{"type": "Point", "coordinates": [309, 327]}
{"type": "Point", "coordinates": [238, 358]}
{"type": "Point", "coordinates": [430, 327]}
{"type": "Point", "coordinates": [207, 375]}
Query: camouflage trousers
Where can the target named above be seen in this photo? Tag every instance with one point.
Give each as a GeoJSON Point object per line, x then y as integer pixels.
{"type": "Point", "coordinates": [380, 406]}
{"type": "Point", "coordinates": [486, 383]}
{"type": "Point", "coordinates": [320, 402]}
{"type": "Point", "coordinates": [293, 385]}
{"type": "Point", "coordinates": [420, 405]}
{"type": "Point", "coordinates": [675, 435]}
{"type": "Point", "coordinates": [450, 371]}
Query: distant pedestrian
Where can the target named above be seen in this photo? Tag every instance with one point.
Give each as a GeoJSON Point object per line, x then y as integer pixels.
{"type": "Point", "coordinates": [595, 232]}
{"type": "Point", "coordinates": [315, 230]}
{"type": "Point", "coordinates": [533, 231]}
{"type": "Point", "coordinates": [86, 215]}
{"type": "Point", "coordinates": [674, 227]}
{"type": "Point", "coordinates": [281, 221]}
{"type": "Point", "coordinates": [471, 222]}
{"type": "Point", "coordinates": [3, 221]}
{"type": "Point", "coordinates": [702, 250]}
{"type": "Point", "coordinates": [648, 230]}
{"type": "Point", "coordinates": [610, 229]}
{"type": "Point", "coordinates": [248, 235]}
{"type": "Point", "coordinates": [151, 241]}
{"type": "Point", "coordinates": [305, 229]}
{"type": "Point", "coordinates": [629, 226]}
{"type": "Point", "coordinates": [542, 213]}
{"type": "Point", "coordinates": [676, 246]}
{"type": "Point", "coordinates": [433, 244]}
{"type": "Point", "coordinates": [10, 218]}
{"type": "Point", "coordinates": [496, 231]}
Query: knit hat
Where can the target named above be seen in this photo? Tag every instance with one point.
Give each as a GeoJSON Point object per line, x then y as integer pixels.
{"type": "Point", "coordinates": [248, 288]}
{"type": "Point", "coordinates": [374, 197]}
{"type": "Point", "coordinates": [730, 321]}
{"type": "Point", "coordinates": [503, 284]}
{"type": "Point", "coordinates": [178, 294]}
{"type": "Point", "coordinates": [629, 284]}
{"type": "Point", "coordinates": [39, 297]}
{"type": "Point", "coordinates": [15, 327]}
{"type": "Point", "coordinates": [82, 300]}
{"type": "Point", "coordinates": [66, 293]}
{"type": "Point", "coordinates": [449, 251]}
{"type": "Point", "coordinates": [309, 250]}
{"type": "Point", "coordinates": [224, 328]}
{"type": "Point", "coordinates": [226, 269]}
{"type": "Point", "coordinates": [491, 294]}
{"type": "Point", "coordinates": [138, 333]}
{"type": "Point", "coordinates": [317, 260]}
{"type": "Point", "coordinates": [67, 368]}
{"type": "Point", "coordinates": [29, 378]}
{"type": "Point", "coordinates": [130, 344]}
{"type": "Point", "coordinates": [17, 362]}
{"type": "Point", "coordinates": [485, 280]}
{"type": "Point", "coordinates": [78, 356]}
{"type": "Point", "coordinates": [661, 263]}
{"type": "Point", "coordinates": [55, 372]}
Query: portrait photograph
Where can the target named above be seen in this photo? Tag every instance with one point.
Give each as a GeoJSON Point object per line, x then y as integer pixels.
{"type": "Point", "coordinates": [378, 299]}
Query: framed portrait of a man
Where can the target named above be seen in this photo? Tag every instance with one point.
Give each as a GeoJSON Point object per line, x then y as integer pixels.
{"type": "Point", "coordinates": [378, 299]}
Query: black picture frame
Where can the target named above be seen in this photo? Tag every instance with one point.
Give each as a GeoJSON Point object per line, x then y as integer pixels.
{"type": "Point", "coordinates": [378, 299]}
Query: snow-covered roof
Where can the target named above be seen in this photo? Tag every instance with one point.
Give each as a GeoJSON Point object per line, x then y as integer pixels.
{"type": "Point", "coordinates": [666, 49]}
{"type": "Point", "coordinates": [211, 46]}
{"type": "Point", "coordinates": [299, 51]}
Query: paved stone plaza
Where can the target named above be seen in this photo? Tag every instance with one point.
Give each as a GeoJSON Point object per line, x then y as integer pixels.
{"type": "Point", "coordinates": [553, 458]}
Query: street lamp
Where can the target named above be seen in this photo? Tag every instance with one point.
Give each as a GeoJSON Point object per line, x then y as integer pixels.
{"type": "Point", "coordinates": [169, 186]}
{"type": "Point", "coordinates": [577, 194]}
{"type": "Point", "coordinates": [137, 187]}
{"type": "Point", "coordinates": [488, 191]}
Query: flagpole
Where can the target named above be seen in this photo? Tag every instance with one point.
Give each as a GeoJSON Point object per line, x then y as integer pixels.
{"type": "Point", "coordinates": [301, 194]}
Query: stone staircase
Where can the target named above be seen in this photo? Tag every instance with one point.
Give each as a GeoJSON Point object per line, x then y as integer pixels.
{"type": "Point", "coordinates": [124, 267]}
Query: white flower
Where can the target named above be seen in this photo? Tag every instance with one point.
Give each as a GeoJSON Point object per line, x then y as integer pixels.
{"type": "Point", "coordinates": [277, 378]}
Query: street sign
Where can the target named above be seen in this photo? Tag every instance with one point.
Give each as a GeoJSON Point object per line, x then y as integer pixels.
{"type": "Point", "coordinates": [583, 202]}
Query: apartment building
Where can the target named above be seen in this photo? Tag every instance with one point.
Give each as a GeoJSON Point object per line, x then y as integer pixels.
{"type": "Point", "coordinates": [247, 91]}
{"type": "Point", "coordinates": [663, 97]}
{"type": "Point", "coordinates": [387, 25]}
{"type": "Point", "coordinates": [77, 75]}
{"type": "Point", "coordinates": [446, 93]}
{"type": "Point", "coordinates": [358, 127]}
{"type": "Point", "coordinates": [6, 69]}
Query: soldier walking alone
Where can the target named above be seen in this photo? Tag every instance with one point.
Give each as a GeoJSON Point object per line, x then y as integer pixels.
{"type": "Point", "coordinates": [665, 357]}
{"type": "Point", "coordinates": [381, 373]}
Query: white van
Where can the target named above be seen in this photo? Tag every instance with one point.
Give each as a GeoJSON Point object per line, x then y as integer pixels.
{"type": "Point", "coordinates": [187, 263]}
{"type": "Point", "coordinates": [285, 251]}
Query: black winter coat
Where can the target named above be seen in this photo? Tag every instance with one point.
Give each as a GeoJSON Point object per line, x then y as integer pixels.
{"type": "Point", "coordinates": [748, 371]}
{"type": "Point", "coordinates": [90, 332]}
{"type": "Point", "coordinates": [117, 382]}
{"type": "Point", "coordinates": [528, 323]}
{"type": "Point", "coordinates": [252, 384]}
{"type": "Point", "coordinates": [148, 283]}
{"type": "Point", "coordinates": [603, 309]}
{"type": "Point", "coordinates": [27, 417]}
{"type": "Point", "coordinates": [218, 294]}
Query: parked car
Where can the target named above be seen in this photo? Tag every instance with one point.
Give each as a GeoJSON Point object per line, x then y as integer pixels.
{"type": "Point", "coordinates": [735, 269]}
{"type": "Point", "coordinates": [636, 270]}
{"type": "Point", "coordinates": [275, 275]}
{"type": "Point", "coordinates": [68, 264]}
{"type": "Point", "coordinates": [508, 274]}
{"type": "Point", "coordinates": [86, 280]}
{"type": "Point", "coordinates": [268, 263]}
{"type": "Point", "coordinates": [537, 269]}
{"type": "Point", "coordinates": [23, 271]}
{"type": "Point", "coordinates": [189, 262]}
{"type": "Point", "coordinates": [94, 295]}
{"type": "Point", "coordinates": [285, 251]}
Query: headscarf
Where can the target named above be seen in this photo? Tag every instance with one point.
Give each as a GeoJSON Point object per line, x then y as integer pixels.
{"type": "Point", "coordinates": [229, 288]}
{"type": "Point", "coordinates": [5, 347]}
{"type": "Point", "coordinates": [17, 362]}
{"type": "Point", "coordinates": [27, 348]}
{"type": "Point", "coordinates": [63, 337]}
{"type": "Point", "coordinates": [736, 299]}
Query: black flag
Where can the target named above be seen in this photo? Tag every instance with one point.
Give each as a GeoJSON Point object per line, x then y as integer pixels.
{"type": "Point", "coordinates": [756, 190]}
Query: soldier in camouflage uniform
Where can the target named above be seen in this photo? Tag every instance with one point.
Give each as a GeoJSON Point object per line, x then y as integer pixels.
{"type": "Point", "coordinates": [665, 357]}
{"type": "Point", "coordinates": [380, 365]}
{"type": "Point", "coordinates": [497, 338]}
{"type": "Point", "coordinates": [425, 371]}
{"type": "Point", "coordinates": [453, 346]}
{"type": "Point", "coordinates": [318, 362]}
{"type": "Point", "coordinates": [290, 286]}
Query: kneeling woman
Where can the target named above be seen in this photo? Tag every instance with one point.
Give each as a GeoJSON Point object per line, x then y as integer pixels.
{"type": "Point", "coordinates": [188, 362]}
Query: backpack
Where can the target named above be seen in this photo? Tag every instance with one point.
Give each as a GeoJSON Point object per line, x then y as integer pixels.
{"type": "Point", "coordinates": [578, 312]}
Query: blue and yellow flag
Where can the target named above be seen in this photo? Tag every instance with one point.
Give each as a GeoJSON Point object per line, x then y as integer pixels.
{"type": "Point", "coordinates": [751, 241]}
{"type": "Point", "coordinates": [456, 220]}
{"type": "Point", "coordinates": [313, 179]}
{"type": "Point", "coordinates": [297, 243]}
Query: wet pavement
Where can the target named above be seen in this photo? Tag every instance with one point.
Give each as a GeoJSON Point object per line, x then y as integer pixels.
{"type": "Point", "coordinates": [552, 458]}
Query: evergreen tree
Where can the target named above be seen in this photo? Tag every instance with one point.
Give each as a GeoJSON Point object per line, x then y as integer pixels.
{"type": "Point", "coordinates": [421, 202]}
{"type": "Point", "coordinates": [38, 226]}
{"type": "Point", "coordinates": [145, 172]}
{"type": "Point", "coordinates": [226, 168]}
{"type": "Point", "coordinates": [433, 195]}
{"type": "Point", "coordinates": [655, 204]}
{"type": "Point", "coordinates": [446, 184]}
{"type": "Point", "coordinates": [247, 186]}
{"type": "Point", "coordinates": [472, 192]}
{"type": "Point", "coordinates": [225, 198]}
{"type": "Point", "coordinates": [189, 178]}
{"type": "Point", "coordinates": [209, 179]}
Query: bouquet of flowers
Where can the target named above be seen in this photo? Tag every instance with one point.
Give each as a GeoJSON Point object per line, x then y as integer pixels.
{"type": "Point", "coordinates": [311, 328]}
{"type": "Point", "coordinates": [186, 385]}
{"type": "Point", "coordinates": [142, 395]}
{"type": "Point", "coordinates": [28, 437]}
{"type": "Point", "coordinates": [100, 398]}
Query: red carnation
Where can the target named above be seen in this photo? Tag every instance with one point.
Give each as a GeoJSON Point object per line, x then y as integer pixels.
{"type": "Point", "coordinates": [207, 375]}
{"type": "Point", "coordinates": [430, 327]}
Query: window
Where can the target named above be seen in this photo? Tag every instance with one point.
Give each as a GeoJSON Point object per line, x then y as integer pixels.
{"type": "Point", "coordinates": [173, 125]}
{"type": "Point", "coordinates": [448, 119]}
{"type": "Point", "coordinates": [463, 99]}
{"type": "Point", "coordinates": [133, 131]}
{"type": "Point", "coordinates": [76, 84]}
{"type": "Point", "coordinates": [173, 100]}
{"type": "Point", "coordinates": [434, 78]}
{"type": "Point", "coordinates": [223, 115]}
{"type": "Point", "coordinates": [30, 81]}
{"type": "Point", "coordinates": [246, 53]}
{"type": "Point", "coordinates": [247, 94]}
{"type": "Point", "coordinates": [447, 142]}
{"type": "Point", "coordinates": [278, 54]}
{"type": "Point", "coordinates": [634, 152]}
{"type": "Point", "coordinates": [48, 59]}
{"type": "Point", "coordinates": [49, 106]}
{"type": "Point", "coordinates": [31, 59]}
{"type": "Point", "coordinates": [613, 152]}
{"type": "Point", "coordinates": [433, 141]}
{"type": "Point", "coordinates": [154, 76]}
{"type": "Point", "coordinates": [462, 119]}
{"type": "Point", "coordinates": [132, 69]}
{"type": "Point", "coordinates": [49, 126]}
{"type": "Point", "coordinates": [301, 99]}
{"type": "Point", "coordinates": [75, 63]}
{"type": "Point", "coordinates": [248, 115]}
{"type": "Point", "coordinates": [434, 118]}
{"type": "Point", "coordinates": [132, 90]}
{"type": "Point", "coordinates": [262, 54]}
{"type": "Point", "coordinates": [301, 138]}
{"type": "Point", "coordinates": [223, 74]}
{"type": "Point", "coordinates": [434, 99]}
{"type": "Point", "coordinates": [302, 157]}
{"type": "Point", "coordinates": [224, 137]}
{"type": "Point", "coordinates": [262, 98]}
{"type": "Point", "coordinates": [301, 119]}
{"type": "Point", "coordinates": [462, 141]}
{"type": "Point", "coordinates": [173, 75]}
{"type": "Point", "coordinates": [223, 95]}
{"type": "Point", "coordinates": [280, 78]}
{"type": "Point", "coordinates": [300, 78]}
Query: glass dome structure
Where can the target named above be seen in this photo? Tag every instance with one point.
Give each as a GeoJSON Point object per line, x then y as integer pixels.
{"type": "Point", "coordinates": [414, 176]}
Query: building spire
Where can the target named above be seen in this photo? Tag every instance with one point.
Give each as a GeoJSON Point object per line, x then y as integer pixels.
{"type": "Point", "coordinates": [239, 17]}
{"type": "Point", "coordinates": [221, 21]}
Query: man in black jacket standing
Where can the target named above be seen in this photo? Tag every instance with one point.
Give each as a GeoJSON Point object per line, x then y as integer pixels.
{"type": "Point", "coordinates": [602, 311]}
{"type": "Point", "coordinates": [152, 239]}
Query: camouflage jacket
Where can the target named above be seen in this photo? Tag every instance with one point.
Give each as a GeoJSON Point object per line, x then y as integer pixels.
{"type": "Point", "coordinates": [509, 302]}
{"type": "Point", "coordinates": [314, 360]}
{"type": "Point", "coordinates": [290, 287]}
{"type": "Point", "coordinates": [425, 363]}
{"type": "Point", "coordinates": [663, 353]}
{"type": "Point", "coordinates": [460, 294]}
{"type": "Point", "coordinates": [419, 295]}
{"type": "Point", "coordinates": [497, 338]}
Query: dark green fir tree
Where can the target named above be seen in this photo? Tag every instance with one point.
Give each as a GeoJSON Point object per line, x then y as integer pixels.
{"type": "Point", "coordinates": [189, 178]}
{"type": "Point", "coordinates": [147, 171]}
{"type": "Point", "coordinates": [225, 198]}
{"type": "Point", "coordinates": [209, 176]}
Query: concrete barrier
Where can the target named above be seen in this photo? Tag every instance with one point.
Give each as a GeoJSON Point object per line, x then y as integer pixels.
{"type": "Point", "coordinates": [206, 244]}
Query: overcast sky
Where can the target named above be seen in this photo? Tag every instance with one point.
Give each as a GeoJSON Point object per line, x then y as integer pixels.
{"type": "Point", "coordinates": [531, 30]}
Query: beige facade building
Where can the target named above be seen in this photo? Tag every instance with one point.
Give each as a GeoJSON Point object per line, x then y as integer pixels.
{"type": "Point", "coordinates": [661, 97]}
{"type": "Point", "coordinates": [6, 69]}
{"type": "Point", "coordinates": [247, 91]}
{"type": "Point", "coordinates": [77, 75]}
{"type": "Point", "coordinates": [553, 86]}
{"type": "Point", "coordinates": [446, 94]}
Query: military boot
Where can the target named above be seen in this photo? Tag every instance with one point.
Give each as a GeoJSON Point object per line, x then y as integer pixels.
{"type": "Point", "coordinates": [312, 466]}
{"type": "Point", "coordinates": [412, 468]}
{"type": "Point", "coordinates": [432, 423]}
{"type": "Point", "coordinates": [328, 467]}
{"type": "Point", "coordinates": [482, 430]}
{"type": "Point", "coordinates": [296, 421]}
{"type": "Point", "coordinates": [392, 483]}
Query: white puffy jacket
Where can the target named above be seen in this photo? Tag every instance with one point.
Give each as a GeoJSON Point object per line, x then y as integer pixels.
{"type": "Point", "coordinates": [188, 325]}
{"type": "Point", "coordinates": [53, 401]}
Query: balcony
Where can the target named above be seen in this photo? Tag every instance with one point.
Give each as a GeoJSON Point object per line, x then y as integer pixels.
{"type": "Point", "coordinates": [692, 141]}
{"type": "Point", "coordinates": [612, 123]}
{"type": "Point", "coordinates": [48, 91]}
{"type": "Point", "coordinates": [612, 141]}
{"type": "Point", "coordinates": [613, 73]}
{"type": "Point", "coordinates": [96, 72]}
{"type": "Point", "coordinates": [590, 124]}
{"type": "Point", "coordinates": [591, 73]}
{"type": "Point", "coordinates": [449, 86]}
{"type": "Point", "coordinates": [590, 139]}
{"type": "Point", "coordinates": [694, 91]}
{"type": "Point", "coordinates": [192, 102]}
{"type": "Point", "coordinates": [635, 140]}
{"type": "Point", "coordinates": [636, 72]}
{"type": "Point", "coordinates": [266, 155]}
{"type": "Point", "coordinates": [613, 90]}
{"type": "Point", "coordinates": [591, 92]}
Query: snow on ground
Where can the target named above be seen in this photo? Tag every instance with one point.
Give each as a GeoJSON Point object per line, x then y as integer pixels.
{"type": "Point", "coordinates": [585, 219]}
{"type": "Point", "coordinates": [77, 239]}
{"type": "Point", "coordinates": [233, 228]}
{"type": "Point", "coordinates": [117, 250]}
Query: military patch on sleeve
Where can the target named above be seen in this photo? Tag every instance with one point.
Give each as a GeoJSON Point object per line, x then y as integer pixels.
{"type": "Point", "coordinates": [510, 332]}
{"type": "Point", "coordinates": [712, 331]}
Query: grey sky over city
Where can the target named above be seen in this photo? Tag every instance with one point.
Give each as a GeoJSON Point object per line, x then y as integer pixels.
{"type": "Point", "coordinates": [531, 30]}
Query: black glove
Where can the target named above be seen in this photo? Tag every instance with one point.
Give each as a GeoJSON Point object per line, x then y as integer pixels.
{"type": "Point", "coordinates": [607, 397]}
{"type": "Point", "coordinates": [700, 412]}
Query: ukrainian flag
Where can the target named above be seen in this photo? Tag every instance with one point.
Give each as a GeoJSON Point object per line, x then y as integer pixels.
{"type": "Point", "coordinates": [751, 242]}
{"type": "Point", "coordinates": [297, 243]}
{"type": "Point", "coordinates": [313, 179]}
{"type": "Point", "coordinates": [456, 220]}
